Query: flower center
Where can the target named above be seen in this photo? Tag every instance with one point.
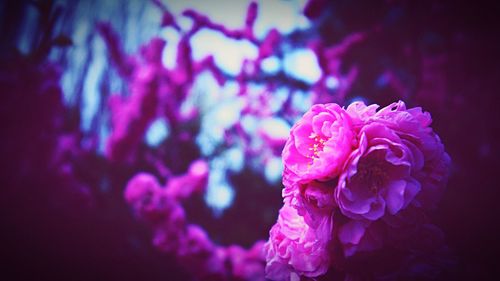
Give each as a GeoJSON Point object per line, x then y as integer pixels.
{"type": "Point", "coordinates": [372, 174]}
{"type": "Point", "coordinates": [316, 145]}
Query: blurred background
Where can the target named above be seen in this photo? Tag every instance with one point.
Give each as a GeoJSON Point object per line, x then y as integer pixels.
{"type": "Point", "coordinates": [93, 92]}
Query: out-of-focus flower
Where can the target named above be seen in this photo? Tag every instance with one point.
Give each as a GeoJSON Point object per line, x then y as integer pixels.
{"type": "Point", "coordinates": [144, 194]}
{"type": "Point", "coordinates": [197, 250]}
{"type": "Point", "coordinates": [191, 245]}
{"type": "Point", "coordinates": [168, 233]}
{"type": "Point", "coordinates": [319, 143]}
{"type": "Point", "coordinates": [295, 249]}
{"type": "Point", "coordinates": [247, 264]}
{"type": "Point", "coordinates": [194, 181]}
{"type": "Point", "coordinates": [196, 242]}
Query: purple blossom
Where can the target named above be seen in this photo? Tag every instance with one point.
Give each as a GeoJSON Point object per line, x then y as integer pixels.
{"type": "Point", "coordinates": [386, 172]}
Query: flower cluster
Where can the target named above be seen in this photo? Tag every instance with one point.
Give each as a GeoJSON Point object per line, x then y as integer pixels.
{"type": "Point", "coordinates": [356, 180]}
{"type": "Point", "coordinates": [189, 243]}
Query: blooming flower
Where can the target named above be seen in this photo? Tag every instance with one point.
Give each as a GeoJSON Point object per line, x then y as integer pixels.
{"type": "Point", "coordinates": [360, 113]}
{"type": "Point", "coordinates": [387, 170]}
{"type": "Point", "coordinates": [319, 143]}
{"type": "Point", "coordinates": [380, 168]}
{"type": "Point", "coordinates": [296, 249]}
{"type": "Point", "coordinates": [314, 201]}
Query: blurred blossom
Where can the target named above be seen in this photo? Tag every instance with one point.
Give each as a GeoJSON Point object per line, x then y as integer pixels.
{"type": "Point", "coordinates": [189, 243]}
{"type": "Point", "coordinates": [295, 248]}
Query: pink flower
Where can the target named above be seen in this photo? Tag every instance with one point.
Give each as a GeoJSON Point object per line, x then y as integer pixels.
{"type": "Point", "coordinates": [360, 113]}
{"type": "Point", "coordinates": [169, 230]}
{"type": "Point", "coordinates": [140, 186]}
{"type": "Point", "coordinates": [319, 143]}
{"type": "Point", "coordinates": [152, 204]}
{"type": "Point", "coordinates": [194, 181]}
{"type": "Point", "coordinates": [296, 249]}
{"type": "Point", "coordinates": [247, 264]}
{"type": "Point", "coordinates": [195, 242]}
{"type": "Point", "coordinates": [314, 201]}
{"type": "Point", "coordinates": [144, 194]}
{"type": "Point", "coordinates": [197, 250]}
{"type": "Point", "coordinates": [397, 154]}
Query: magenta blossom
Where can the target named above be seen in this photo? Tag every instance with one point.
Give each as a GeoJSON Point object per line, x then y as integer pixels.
{"type": "Point", "coordinates": [247, 264]}
{"type": "Point", "coordinates": [147, 198]}
{"type": "Point", "coordinates": [194, 181]}
{"type": "Point", "coordinates": [372, 170]}
{"type": "Point", "coordinates": [360, 113]}
{"type": "Point", "coordinates": [295, 249]}
{"type": "Point", "coordinates": [168, 234]}
{"type": "Point", "coordinates": [319, 143]}
{"type": "Point", "coordinates": [314, 201]}
{"type": "Point", "coordinates": [387, 170]}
